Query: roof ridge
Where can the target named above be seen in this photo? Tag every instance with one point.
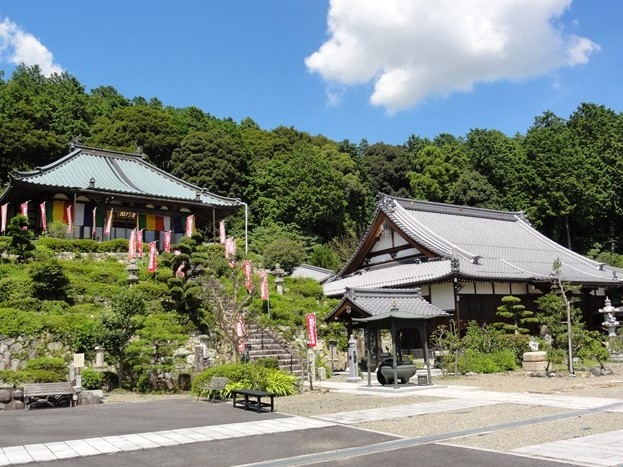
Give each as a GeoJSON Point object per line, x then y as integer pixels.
{"type": "Point", "coordinates": [453, 209]}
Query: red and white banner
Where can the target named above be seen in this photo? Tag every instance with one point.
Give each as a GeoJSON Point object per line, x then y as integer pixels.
{"type": "Point", "coordinates": [248, 275]}
{"type": "Point", "coordinates": [139, 242]}
{"type": "Point", "coordinates": [190, 225]}
{"type": "Point", "coordinates": [23, 209]}
{"type": "Point", "coordinates": [152, 266]}
{"type": "Point", "coordinates": [108, 226]}
{"type": "Point", "coordinates": [132, 245]}
{"type": "Point", "coordinates": [240, 332]}
{"type": "Point", "coordinates": [221, 232]}
{"type": "Point", "coordinates": [230, 249]}
{"type": "Point", "coordinates": [69, 219]}
{"type": "Point", "coordinates": [3, 213]}
{"type": "Point", "coordinates": [312, 332]}
{"type": "Point", "coordinates": [93, 230]}
{"type": "Point", "coordinates": [44, 221]}
{"type": "Point", "coordinates": [167, 241]}
{"type": "Point", "coordinates": [264, 286]}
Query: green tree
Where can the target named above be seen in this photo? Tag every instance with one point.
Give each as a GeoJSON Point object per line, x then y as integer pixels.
{"type": "Point", "coordinates": [49, 280]}
{"type": "Point", "coordinates": [387, 168]}
{"type": "Point", "coordinates": [21, 239]}
{"type": "Point", "coordinates": [473, 189]}
{"type": "Point", "coordinates": [120, 325]}
{"type": "Point", "coordinates": [284, 251]}
{"type": "Point", "coordinates": [512, 309]}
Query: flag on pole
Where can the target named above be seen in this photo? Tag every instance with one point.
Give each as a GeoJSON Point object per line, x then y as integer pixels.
{"type": "Point", "coordinates": [69, 219]}
{"type": "Point", "coordinates": [264, 286]}
{"type": "Point", "coordinates": [24, 209]}
{"type": "Point", "coordinates": [221, 232]}
{"type": "Point", "coordinates": [44, 221]}
{"type": "Point", "coordinates": [190, 225]}
{"type": "Point", "coordinates": [248, 275]}
{"type": "Point", "coordinates": [152, 266]}
{"type": "Point", "coordinates": [167, 241]}
{"type": "Point", "coordinates": [93, 230]}
{"type": "Point", "coordinates": [3, 214]}
{"type": "Point", "coordinates": [108, 225]}
{"type": "Point", "coordinates": [139, 242]}
{"type": "Point", "coordinates": [132, 245]}
{"type": "Point", "coordinates": [230, 250]}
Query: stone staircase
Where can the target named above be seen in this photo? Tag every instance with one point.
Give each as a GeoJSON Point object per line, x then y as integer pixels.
{"type": "Point", "coordinates": [266, 344]}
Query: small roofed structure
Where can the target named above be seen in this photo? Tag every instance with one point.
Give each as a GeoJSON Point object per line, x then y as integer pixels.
{"type": "Point", "coordinates": [392, 309]}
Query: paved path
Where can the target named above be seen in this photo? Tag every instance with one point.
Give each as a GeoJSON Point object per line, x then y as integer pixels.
{"type": "Point", "coordinates": [114, 429]}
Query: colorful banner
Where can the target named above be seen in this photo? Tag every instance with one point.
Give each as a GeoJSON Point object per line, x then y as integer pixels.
{"type": "Point", "coordinates": [153, 222]}
{"type": "Point", "coordinates": [248, 275]}
{"type": "Point", "coordinates": [44, 222]}
{"type": "Point", "coordinates": [221, 232]}
{"type": "Point", "coordinates": [230, 249]}
{"type": "Point", "coordinates": [167, 241]}
{"type": "Point", "coordinates": [152, 266]}
{"type": "Point", "coordinates": [24, 209]}
{"type": "Point", "coordinates": [3, 213]}
{"type": "Point", "coordinates": [312, 332]}
{"type": "Point", "coordinates": [264, 286]}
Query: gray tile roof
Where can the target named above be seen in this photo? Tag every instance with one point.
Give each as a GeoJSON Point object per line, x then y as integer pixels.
{"type": "Point", "coordinates": [312, 272]}
{"type": "Point", "coordinates": [485, 245]}
{"type": "Point", "coordinates": [379, 301]}
{"type": "Point", "coordinates": [393, 275]}
{"type": "Point", "coordinates": [118, 172]}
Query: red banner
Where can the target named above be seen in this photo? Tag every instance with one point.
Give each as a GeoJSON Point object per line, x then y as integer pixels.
{"type": "Point", "coordinates": [94, 229]}
{"type": "Point", "coordinates": [152, 266]}
{"type": "Point", "coordinates": [264, 287]}
{"type": "Point", "coordinates": [248, 275]}
{"type": "Point", "coordinates": [139, 243]}
{"type": "Point", "coordinates": [44, 221]}
{"type": "Point", "coordinates": [221, 232]}
{"type": "Point", "coordinates": [311, 329]}
{"type": "Point", "coordinates": [132, 245]}
{"type": "Point", "coordinates": [108, 226]}
{"type": "Point", "coordinates": [240, 332]}
{"type": "Point", "coordinates": [190, 225]}
{"type": "Point", "coordinates": [24, 209]}
{"type": "Point", "coordinates": [167, 241]}
{"type": "Point", "coordinates": [69, 220]}
{"type": "Point", "coordinates": [3, 214]}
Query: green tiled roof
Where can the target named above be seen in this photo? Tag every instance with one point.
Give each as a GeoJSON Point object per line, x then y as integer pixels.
{"type": "Point", "coordinates": [117, 172]}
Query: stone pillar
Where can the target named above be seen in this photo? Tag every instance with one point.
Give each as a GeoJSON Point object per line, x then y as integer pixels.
{"type": "Point", "coordinates": [99, 356]}
{"type": "Point", "coordinates": [278, 273]}
{"type": "Point", "coordinates": [353, 361]}
{"type": "Point", "coordinates": [311, 361]}
{"type": "Point", "coordinates": [199, 366]}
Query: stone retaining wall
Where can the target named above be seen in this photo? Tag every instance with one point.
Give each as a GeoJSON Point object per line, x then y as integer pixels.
{"type": "Point", "coordinates": [11, 398]}
{"type": "Point", "coordinates": [15, 352]}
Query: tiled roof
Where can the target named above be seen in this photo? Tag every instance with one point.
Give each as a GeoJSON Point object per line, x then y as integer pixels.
{"type": "Point", "coordinates": [118, 172]}
{"type": "Point", "coordinates": [493, 244]}
{"type": "Point", "coordinates": [483, 244]}
{"type": "Point", "coordinates": [312, 272]}
{"type": "Point", "coordinates": [380, 301]}
{"type": "Point", "coordinates": [410, 273]}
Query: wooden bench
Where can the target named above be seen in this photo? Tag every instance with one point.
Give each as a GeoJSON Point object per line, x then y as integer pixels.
{"type": "Point", "coordinates": [214, 387]}
{"type": "Point", "coordinates": [48, 393]}
{"type": "Point", "coordinates": [255, 403]}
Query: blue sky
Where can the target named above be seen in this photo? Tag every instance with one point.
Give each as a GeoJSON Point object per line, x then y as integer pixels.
{"type": "Point", "coordinates": [348, 69]}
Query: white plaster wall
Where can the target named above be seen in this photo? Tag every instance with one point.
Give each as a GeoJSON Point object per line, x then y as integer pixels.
{"type": "Point", "coordinates": [442, 296]}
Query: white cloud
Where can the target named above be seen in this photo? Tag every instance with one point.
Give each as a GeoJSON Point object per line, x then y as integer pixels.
{"type": "Point", "coordinates": [412, 49]}
{"type": "Point", "coordinates": [18, 46]}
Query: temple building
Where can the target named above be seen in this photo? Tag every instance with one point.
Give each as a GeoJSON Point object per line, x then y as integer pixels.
{"type": "Point", "coordinates": [91, 189]}
{"type": "Point", "coordinates": [463, 260]}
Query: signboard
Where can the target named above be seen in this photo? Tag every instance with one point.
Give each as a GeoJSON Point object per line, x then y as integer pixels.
{"type": "Point", "coordinates": [78, 360]}
{"type": "Point", "coordinates": [125, 215]}
{"type": "Point", "coordinates": [311, 329]}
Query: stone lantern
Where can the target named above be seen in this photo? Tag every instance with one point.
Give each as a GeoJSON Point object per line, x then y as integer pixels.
{"type": "Point", "coordinates": [278, 273]}
{"type": "Point", "coordinates": [132, 269]}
